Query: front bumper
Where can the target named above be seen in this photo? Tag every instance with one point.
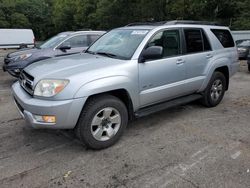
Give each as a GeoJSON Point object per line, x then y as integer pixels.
{"type": "Point", "coordinates": [67, 112]}
{"type": "Point", "coordinates": [11, 67]}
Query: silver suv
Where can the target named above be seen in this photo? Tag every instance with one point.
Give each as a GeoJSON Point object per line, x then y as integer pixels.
{"type": "Point", "coordinates": [129, 72]}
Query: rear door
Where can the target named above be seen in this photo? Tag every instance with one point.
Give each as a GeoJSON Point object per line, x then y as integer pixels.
{"type": "Point", "coordinates": [198, 54]}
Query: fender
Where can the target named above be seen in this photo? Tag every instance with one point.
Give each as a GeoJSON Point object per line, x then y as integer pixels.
{"type": "Point", "coordinates": [108, 84]}
{"type": "Point", "coordinates": [221, 62]}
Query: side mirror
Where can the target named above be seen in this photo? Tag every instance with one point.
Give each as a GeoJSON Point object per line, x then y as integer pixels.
{"type": "Point", "coordinates": [152, 52]}
{"type": "Point", "coordinates": [64, 48]}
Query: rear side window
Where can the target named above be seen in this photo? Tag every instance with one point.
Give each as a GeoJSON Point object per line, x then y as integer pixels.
{"type": "Point", "coordinates": [196, 41]}
{"type": "Point", "coordinates": [224, 37]}
{"type": "Point", "coordinates": [93, 38]}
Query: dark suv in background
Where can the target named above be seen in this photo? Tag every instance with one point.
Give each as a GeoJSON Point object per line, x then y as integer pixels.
{"type": "Point", "coordinates": [243, 49]}
{"type": "Point", "coordinates": [65, 43]}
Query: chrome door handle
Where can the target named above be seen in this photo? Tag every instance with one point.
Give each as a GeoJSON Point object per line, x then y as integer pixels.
{"type": "Point", "coordinates": [180, 61]}
{"type": "Point", "coordinates": [208, 56]}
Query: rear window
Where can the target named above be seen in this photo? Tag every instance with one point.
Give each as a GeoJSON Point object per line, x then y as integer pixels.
{"type": "Point", "coordinates": [224, 37]}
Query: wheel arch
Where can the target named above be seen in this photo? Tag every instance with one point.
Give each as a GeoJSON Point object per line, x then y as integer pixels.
{"type": "Point", "coordinates": [225, 71]}
{"type": "Point", "coordinates": [121, 94]}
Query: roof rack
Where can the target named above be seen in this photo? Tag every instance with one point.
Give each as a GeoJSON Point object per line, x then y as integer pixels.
{"type": "Point", "coordinates": [173, 22]}
{"type": "Point", "coordinates": [146, 23]}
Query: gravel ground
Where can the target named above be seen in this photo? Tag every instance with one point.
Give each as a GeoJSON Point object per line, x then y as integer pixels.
{"type": "Point", "coordinates": [186, 146]}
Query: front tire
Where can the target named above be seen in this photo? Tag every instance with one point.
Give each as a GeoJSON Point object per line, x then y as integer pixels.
{"type": "Point", "coordinates": [249, 67]}
{"type": "Point", "coordinates": [102, 122]}
{"type": "Point", "coordinates": [215, 90]}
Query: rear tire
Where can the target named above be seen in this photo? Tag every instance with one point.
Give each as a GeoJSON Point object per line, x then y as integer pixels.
{"type": "Point", "coordinates": [215, 90]}
{"type": "Point", "coordinates": [102, 122]}
{"type": "Point", "coordinates": [249, 67]}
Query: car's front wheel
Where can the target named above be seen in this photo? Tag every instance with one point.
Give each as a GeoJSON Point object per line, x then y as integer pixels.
{"type": "Point", "coordinates": [249, 67]}
{"type": "Point", "coordinates": [215, 90]}
{"type": "Point", "coordinates": [102, 121]}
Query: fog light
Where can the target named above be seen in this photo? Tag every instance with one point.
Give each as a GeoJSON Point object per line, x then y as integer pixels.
{"type": "Point", "coordinates": [45, 119]}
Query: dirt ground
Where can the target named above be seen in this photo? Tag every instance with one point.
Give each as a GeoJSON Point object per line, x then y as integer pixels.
{"type": "Point", "coordinates": [186, 146]}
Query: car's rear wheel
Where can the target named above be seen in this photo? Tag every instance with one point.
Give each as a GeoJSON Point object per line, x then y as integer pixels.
{"type": "Point", "coordinates": [249, 67]}
{"type": "Point", "coordinates": [215, 90]}
{"type": "Point", "coordinates": [102, 122]}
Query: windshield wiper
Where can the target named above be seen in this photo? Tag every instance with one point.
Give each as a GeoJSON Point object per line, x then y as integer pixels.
{"type": "Point", "coordinates": [90, 52]}
{"type": "Point", "coordinates": [106, 54]}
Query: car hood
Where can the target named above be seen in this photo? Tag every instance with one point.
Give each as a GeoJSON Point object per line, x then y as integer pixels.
{"type": "Point", "coordinates": [70, 67]}
{"type": "Point", "coordinates": [33, 51]}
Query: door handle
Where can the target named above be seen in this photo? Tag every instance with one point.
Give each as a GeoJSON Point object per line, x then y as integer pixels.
{"type": "Point", "coordinates": [208, 56]}
{"type": "Point", "coordinates": [180, 61]}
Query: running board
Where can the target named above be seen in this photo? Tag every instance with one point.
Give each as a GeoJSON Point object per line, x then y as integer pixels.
{"type": "Point", "coordinates": [165, 105]}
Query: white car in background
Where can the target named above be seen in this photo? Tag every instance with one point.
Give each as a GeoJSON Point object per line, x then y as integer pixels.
{"type": "Point", "coordinates": [16, 38]}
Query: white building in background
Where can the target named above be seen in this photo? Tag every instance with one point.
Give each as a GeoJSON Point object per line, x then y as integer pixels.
{"type": "Point", "coordinates": [241, 35]}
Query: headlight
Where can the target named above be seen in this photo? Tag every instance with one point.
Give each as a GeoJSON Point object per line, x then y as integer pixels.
{"type": "Point", "coordinates": [49, 88]}
{"type": "Point", "coordinates": [22, 57]}
{"type": "Point", "coordinates": [242, 49]}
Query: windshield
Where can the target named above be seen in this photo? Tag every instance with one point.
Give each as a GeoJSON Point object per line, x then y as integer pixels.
{"type": "Point", "coordinates": [118, 43]}
{"type": "Point", "coordinates": [53, 42]}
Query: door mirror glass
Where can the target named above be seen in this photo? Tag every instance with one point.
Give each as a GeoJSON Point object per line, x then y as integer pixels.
{"type": "Point", "coordinates": [152, 52]}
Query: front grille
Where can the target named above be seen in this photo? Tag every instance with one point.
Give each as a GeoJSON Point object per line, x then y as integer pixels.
{"type": "Point", "coordinates": [26, 81]}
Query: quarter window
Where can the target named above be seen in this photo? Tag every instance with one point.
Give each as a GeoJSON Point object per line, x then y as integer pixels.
{"type": "Point", "coordinates": [224, 37]}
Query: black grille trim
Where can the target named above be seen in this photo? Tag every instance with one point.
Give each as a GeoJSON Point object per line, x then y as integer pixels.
{"type": "Point", "coordinates": [26, 81]}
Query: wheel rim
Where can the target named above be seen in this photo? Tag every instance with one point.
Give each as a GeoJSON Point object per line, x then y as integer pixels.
{"type": "Point", "coordinates": [106, 124]}
{"type": "Point", "coordinates": [216, 90]}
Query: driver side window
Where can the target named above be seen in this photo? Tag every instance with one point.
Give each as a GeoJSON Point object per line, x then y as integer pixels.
{"type": "Point", "coordinates": [77, 41]}
{"type": "Point", "coordinates": [169, 40]}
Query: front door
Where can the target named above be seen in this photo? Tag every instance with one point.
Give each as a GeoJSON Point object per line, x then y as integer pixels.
{"type": "Point", "coordinates": [77, 43]}
{"type": "Point", "coordinates": [163, 79]}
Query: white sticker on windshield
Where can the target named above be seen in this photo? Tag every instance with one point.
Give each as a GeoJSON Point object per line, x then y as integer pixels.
{"type": "Point", "coordinates": [139, 32]}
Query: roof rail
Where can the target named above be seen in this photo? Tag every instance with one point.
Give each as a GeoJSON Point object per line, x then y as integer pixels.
{"type": "Point", "coordinates": [146, 23]}
{"type": "Point", "coordinates": [173, 22]}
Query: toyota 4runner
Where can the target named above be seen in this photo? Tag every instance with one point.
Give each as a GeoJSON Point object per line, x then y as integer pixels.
{"type": "Point", "coordinates": [129, 72]}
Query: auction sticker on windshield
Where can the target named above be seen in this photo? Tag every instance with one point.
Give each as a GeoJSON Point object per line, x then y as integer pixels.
{"type": "Point", "coordinates": [139, 32]}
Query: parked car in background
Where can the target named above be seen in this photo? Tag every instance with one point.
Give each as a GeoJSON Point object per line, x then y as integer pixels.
{"type": "Point", "coordinates": [16, 38]}
{"type": "Point", "coordinates": [129, 72]}
{"type": "Point", "coordinates": [243, 49]}
{"type": "Point", "coordinates": [248, 61]}
{"type": "Point", "coordinates": [65, 43]}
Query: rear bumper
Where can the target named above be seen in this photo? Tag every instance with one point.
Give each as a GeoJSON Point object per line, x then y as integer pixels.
{"type": "Point", "coordinates": [66, 112]}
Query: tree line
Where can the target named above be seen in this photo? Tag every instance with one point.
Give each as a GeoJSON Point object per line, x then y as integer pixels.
{"type": "Point", "coordinates": [48, 17]}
